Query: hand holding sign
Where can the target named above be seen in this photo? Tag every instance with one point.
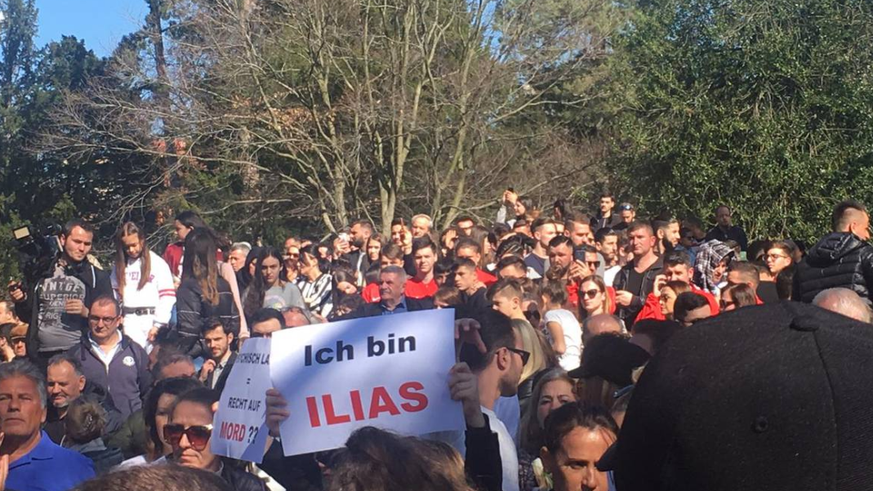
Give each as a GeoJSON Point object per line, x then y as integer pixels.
{"type": "Point", "coordinates": [464, 387]}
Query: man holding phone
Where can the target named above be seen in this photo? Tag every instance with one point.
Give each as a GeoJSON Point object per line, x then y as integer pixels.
{"type": "Point", "coordinates": [58, 304]}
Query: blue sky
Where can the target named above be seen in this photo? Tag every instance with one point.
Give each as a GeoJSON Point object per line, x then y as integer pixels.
{"type": "Point", "coordinates": [101, 23]}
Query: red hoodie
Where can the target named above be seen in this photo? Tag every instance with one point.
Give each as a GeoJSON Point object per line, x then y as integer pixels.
{"type": "Point", "coordinates": [652, 308]}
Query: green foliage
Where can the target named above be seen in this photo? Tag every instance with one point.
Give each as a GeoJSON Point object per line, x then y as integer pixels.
{"type": "Point", "coordinates": [764, 106]}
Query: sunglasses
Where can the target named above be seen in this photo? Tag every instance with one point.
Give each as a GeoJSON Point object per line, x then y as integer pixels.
{"type": "Point", "coordinates": [18, 339]}
{"type": "Point", "coordinates": [591, 293]}
{"type": "Point", "coordinates": [626, 208]}
{"type": "Point", "coordinates": [198, 436]}
{"type": "Point", "coordinates": [593, 264]}
{"type": "Point", "coordinates": [525, 356]}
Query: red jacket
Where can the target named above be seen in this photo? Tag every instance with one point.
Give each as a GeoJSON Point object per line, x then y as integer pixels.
{"type": "Point", "coordinates": [173, 256]}
{"type": "Point", "coordinates": [652, 307]}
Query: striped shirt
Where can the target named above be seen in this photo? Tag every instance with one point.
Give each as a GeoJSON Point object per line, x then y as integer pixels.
{"type": "Point", "coordinates": [317, 295]}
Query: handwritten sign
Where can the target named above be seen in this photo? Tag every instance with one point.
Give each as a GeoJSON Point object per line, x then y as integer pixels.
{"type": "Point", "coordinates": [239, 427]}
{"type": "Point", "coordinates": [389, 371]}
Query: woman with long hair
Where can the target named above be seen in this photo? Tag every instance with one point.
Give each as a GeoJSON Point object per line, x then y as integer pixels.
{"type": "Point", "coordinates": [669, 292]}
{"type": "Point", "coordinates": [143, 283]}
{"type": "Point", "coordinates": [315, 284]}
{"type": "Point", "coordinates": [268, 288]}
{"type": "Point", "coordinates": [184, 223]}
{"type": "Point", "coordinates": [203, 293]}
{"type": "Point", "coordinates": [594, 297]}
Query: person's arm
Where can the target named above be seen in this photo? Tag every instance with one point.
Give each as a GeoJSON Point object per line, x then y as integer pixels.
{"type": "Point", "coordinates": [556, 331]}
{"type": "Point", "coordinates": [166, 295]}
{"type": "Point", "coordinates": [228, 274]}
{"type": "Point", "coordinates": [482, 460]}
{"type": "Point", "coordinates": [651, 309]}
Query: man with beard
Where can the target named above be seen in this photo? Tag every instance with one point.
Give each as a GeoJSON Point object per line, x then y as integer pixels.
{"type": "Point", "coordinates": [220, 358]}
{"type": "Point", "coordinates": [564, 267]}
{"type": "Point", "coordinates": [360, 233]}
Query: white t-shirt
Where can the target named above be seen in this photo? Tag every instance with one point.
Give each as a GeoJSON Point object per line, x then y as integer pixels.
{"type": "Point", "coordinates": [572, 337]}
{"type": "Point", "coordinates": [609, 275]}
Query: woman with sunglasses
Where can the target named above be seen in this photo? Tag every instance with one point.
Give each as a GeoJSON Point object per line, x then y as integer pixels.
{"type": "Point", "coordinates": [594, 297]}
{"type": "Point", "coordinates": [189, 432]}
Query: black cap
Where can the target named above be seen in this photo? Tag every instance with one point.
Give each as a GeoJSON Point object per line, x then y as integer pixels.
{"type": "Point", "coordinates": [773, 397]}
{"type": "Point", "coordinates": [611, 357]}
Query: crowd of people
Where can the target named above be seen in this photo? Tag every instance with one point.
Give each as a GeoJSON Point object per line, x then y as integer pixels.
{"type": "Point", "coordinates": [110, 374]}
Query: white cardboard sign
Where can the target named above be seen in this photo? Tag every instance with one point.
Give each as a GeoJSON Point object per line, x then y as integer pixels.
{"type": "Point", "coordinates": [390, 372]}
{"type": "Point", "coordinates": [239, 428]}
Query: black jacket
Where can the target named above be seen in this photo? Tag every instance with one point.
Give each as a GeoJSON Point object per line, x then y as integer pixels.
{"type": "Point", "coordinates": [598, 221]}
{"type": "Point", "coordinates": [126, 380]}
{"type": "Point", "coordinates": [482, 463]}
{"type": "Point", "coordinates": [222, 379]}
{"type": "Point", "coordinates": [840, 259]}
{"type": "Point", "coordinates": [375, 309]}
{"type": "Point", "coordinates": [241, 480]}
{"type": "Point", "coordinates": [734, 233]}
{"type": "Point", "coordinates": [55, 427]}
{"type": "Point", "coordinates": [96, 282]}
{"type": "Point", "coordinates": [192, 311]}
{"type": "Point", "coordinates": [628, 314]}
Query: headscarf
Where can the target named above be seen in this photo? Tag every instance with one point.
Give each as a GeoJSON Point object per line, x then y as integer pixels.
{"type": "Point", "coordinates": [709, 255]}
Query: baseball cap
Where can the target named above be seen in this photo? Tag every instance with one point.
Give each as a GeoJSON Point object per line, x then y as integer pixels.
{"type": "Point", "coordinates": [776, 396]}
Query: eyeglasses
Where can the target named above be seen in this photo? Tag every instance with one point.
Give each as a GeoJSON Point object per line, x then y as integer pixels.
{"type": "Point", "coordinates": [198, 436]}
{"type": "Point", "coordinates": [94, 319]}
{"type": "Point", "coordinates": [775, 256]}
{"type": "Point", "coordinates": [525, 356]}
{"type": "Point", "coordinates": [591, 293]}
{"type": "Point", "coordinates": [593, 264]}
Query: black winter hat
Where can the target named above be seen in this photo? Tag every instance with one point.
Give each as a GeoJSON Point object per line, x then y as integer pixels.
{"type": "Point", "coordinates": [611, 357]}
{"type": "Point", "coordinates": [772, 397]}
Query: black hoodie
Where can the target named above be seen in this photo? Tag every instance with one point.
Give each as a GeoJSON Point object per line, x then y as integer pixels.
{"type": "Point", "coordinates": [840, 259]}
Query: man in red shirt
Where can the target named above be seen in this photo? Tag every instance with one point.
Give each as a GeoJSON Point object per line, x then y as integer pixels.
{"type": "Point", "coordinates": [467, 248]}
{"type": "Point", "coordinates": [677, 267]}
{"type": "Point", "coordinates": [424, 255]}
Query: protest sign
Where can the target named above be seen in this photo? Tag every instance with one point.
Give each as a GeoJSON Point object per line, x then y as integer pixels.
{"type": "Point", "coordinates": [239, 428]}
{"type": "Point", "coordinates": [389, 372]}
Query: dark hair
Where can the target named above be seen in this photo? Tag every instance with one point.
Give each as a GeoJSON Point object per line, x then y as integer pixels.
{"type": "Point", "coordinates": [603, 233]}
{"type": "Point", "coordinates": [73, 361]}
{"type": "Point", "coordinates": [686, 302]}
{"type": "Point", "coordinates": [676, 258]}
{"type": "Point", "coordinates": [264, 315]}
{"type": "Point", "coordinates": [312, 251]}
{"type": "Point", "coordinates": [784, 282]}
{"type": "Point", "coordinates": [607, 194]}
{"type": "Point", "coordinates": [465, 218]}
{"type": "Point", "coordinates": [527, 203]}
{"type": "Point", "coordinates": [786, 246]}
{"type": "Point", "coordinates": [560, 240]}
{"type": "Point", "coordinates": [511, 261]}
{"type": "Point", "coordinates": [747, 270]}
{"type": "Point", "coordinates": [496, 332]}
{"type": "Point", "coordinates": [467, 243]}
{"type": "Point", "coordinates": [199, 263]}
{"type": "Point", "coordinates": [201, 395]}
{"type": "Point", "coordinates": [841, 215]}
{"type": "Point", "coordinates": [170, 359]}
{"type": "Point", "coordinates": [444, 266]}
{"type": "Point", "coordinates": [562, 421]}
{"type": "Point", "coordinates": [191, 220]}
{"type": "Point", "coordinates": [107, 299]}
{"type": "Point", "coordinates": [157, 477]}
{"type": "Point", "coordinates": [212, 323]}
{"type": "Point", "coordinates": [465, 263]}
{"type": "Point", "coordinates": [393, 251]}
{"type": "Point", "coordinates": [639, 225]}
{"type": "Point", "coordinates": [77, 222]}
{"type": "Point", "coordinates": [85, 420]}
{"type": "Point", "coordinates": [145, 269]}
{"type": "Point", "coordinates": [363, 223]}
{"type": "Point", "coordinates": [448, 295]}
{"type": "Point", "coordinates": [742, 294]}
{"type": "Point", "coordinates": [513, 287]}
{"type": "Point", "coordinates": [561, 207]}
{"type": "Point", "coordinates": [423, 243]}
{"type": "Point", "coordinates": [254, 294]}
{"type": "Point", "coordinates": [556, 291]}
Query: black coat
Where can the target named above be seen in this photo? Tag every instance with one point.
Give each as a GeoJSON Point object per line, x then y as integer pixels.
{"type": "Point", "coordinates": [375, 309]}
{"type": "Point", "coordinates": [222, 379]}
{"type": "Point", "coordinates": [840, 259]}
{"type": "Point", "coordinates": [241, 480]}
{"type": "Point", "coordinates": [56, 428]}
{"type": "Point", "coordinates": [193, 310]}
{"type": "Point", "coordinates": [629, 314]}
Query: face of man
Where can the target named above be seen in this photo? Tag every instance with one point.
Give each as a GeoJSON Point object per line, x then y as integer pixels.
{"type": "Point", "coordinates": [736, 278]}
{"type": "Point", "coordinates": [270, 269]}
{"type": "Point", "coordinates": [63, 385]}
{"type": "Point", "coordinates": [606, 205]}
{"type": "Point", "coordinates": [609, 247]}
{"type": "Point", "coordinates": [512, 271]}
{"type": "Point", "coordinates": [103, 321]}
{"type": "Point", "coordinates": [424, 260]}
{"type": "Point", "coordinates": [468, 253]}
{"type": "Point", "coordinates": [641, 242]}
{"type": "Point", "coordinates": [466, 227]}
{"type": "Point", "coordinates": [397, 233]}
{"type": "Point", "coordinates": [579, 233]}
{"type": "Point", "coordinates": [509, 385]}
{"type": "Point", "coordinates": [862, 229]}
{"type": "Point", "coordinates": [266, 328]}
{"type": "Point", "coordinates": [506, 304]}
{"type": "Point", "coordinates": [237, 259]}
{"type": "Point", "coordinates": [627, 216]}
{"type": "Point", "coordinates": [545, 234]}
{"type": "Point", "coordinates": [359, 234]}
{"type": "Point", "coordinates": [465, 278]}
{"type": "Point", "coordinates": [374, 249]}
{"type": "Point", "coordinates": [217, 342]}
{"type": "Point", "coordinates": [19, 346]}
{"type": "Point", "coordinates": [561, 257]}
{"type": "Point", "coordinates": [678, 272]}
{"type": "Point", "coordinates": [672, 234]}
{"type": "Point", "coordinates": [695, 315]}
{"type": "Point", "coordinates": [132, 245]}
{"type": "Point", "coordinates": [386, 261]}
{"type": "Point", "coordinates": [21, 411]}
{"type": "Point", "coordinates": [78, 244]}
{"type": "Point", "coordinates": [6, 316]}
{"type": "Point", "coordinates": [420, 227]}
{"type": "Point", "coordinates": [723, 216]}
{"type": "Point", "coordinates": [391, 287]}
